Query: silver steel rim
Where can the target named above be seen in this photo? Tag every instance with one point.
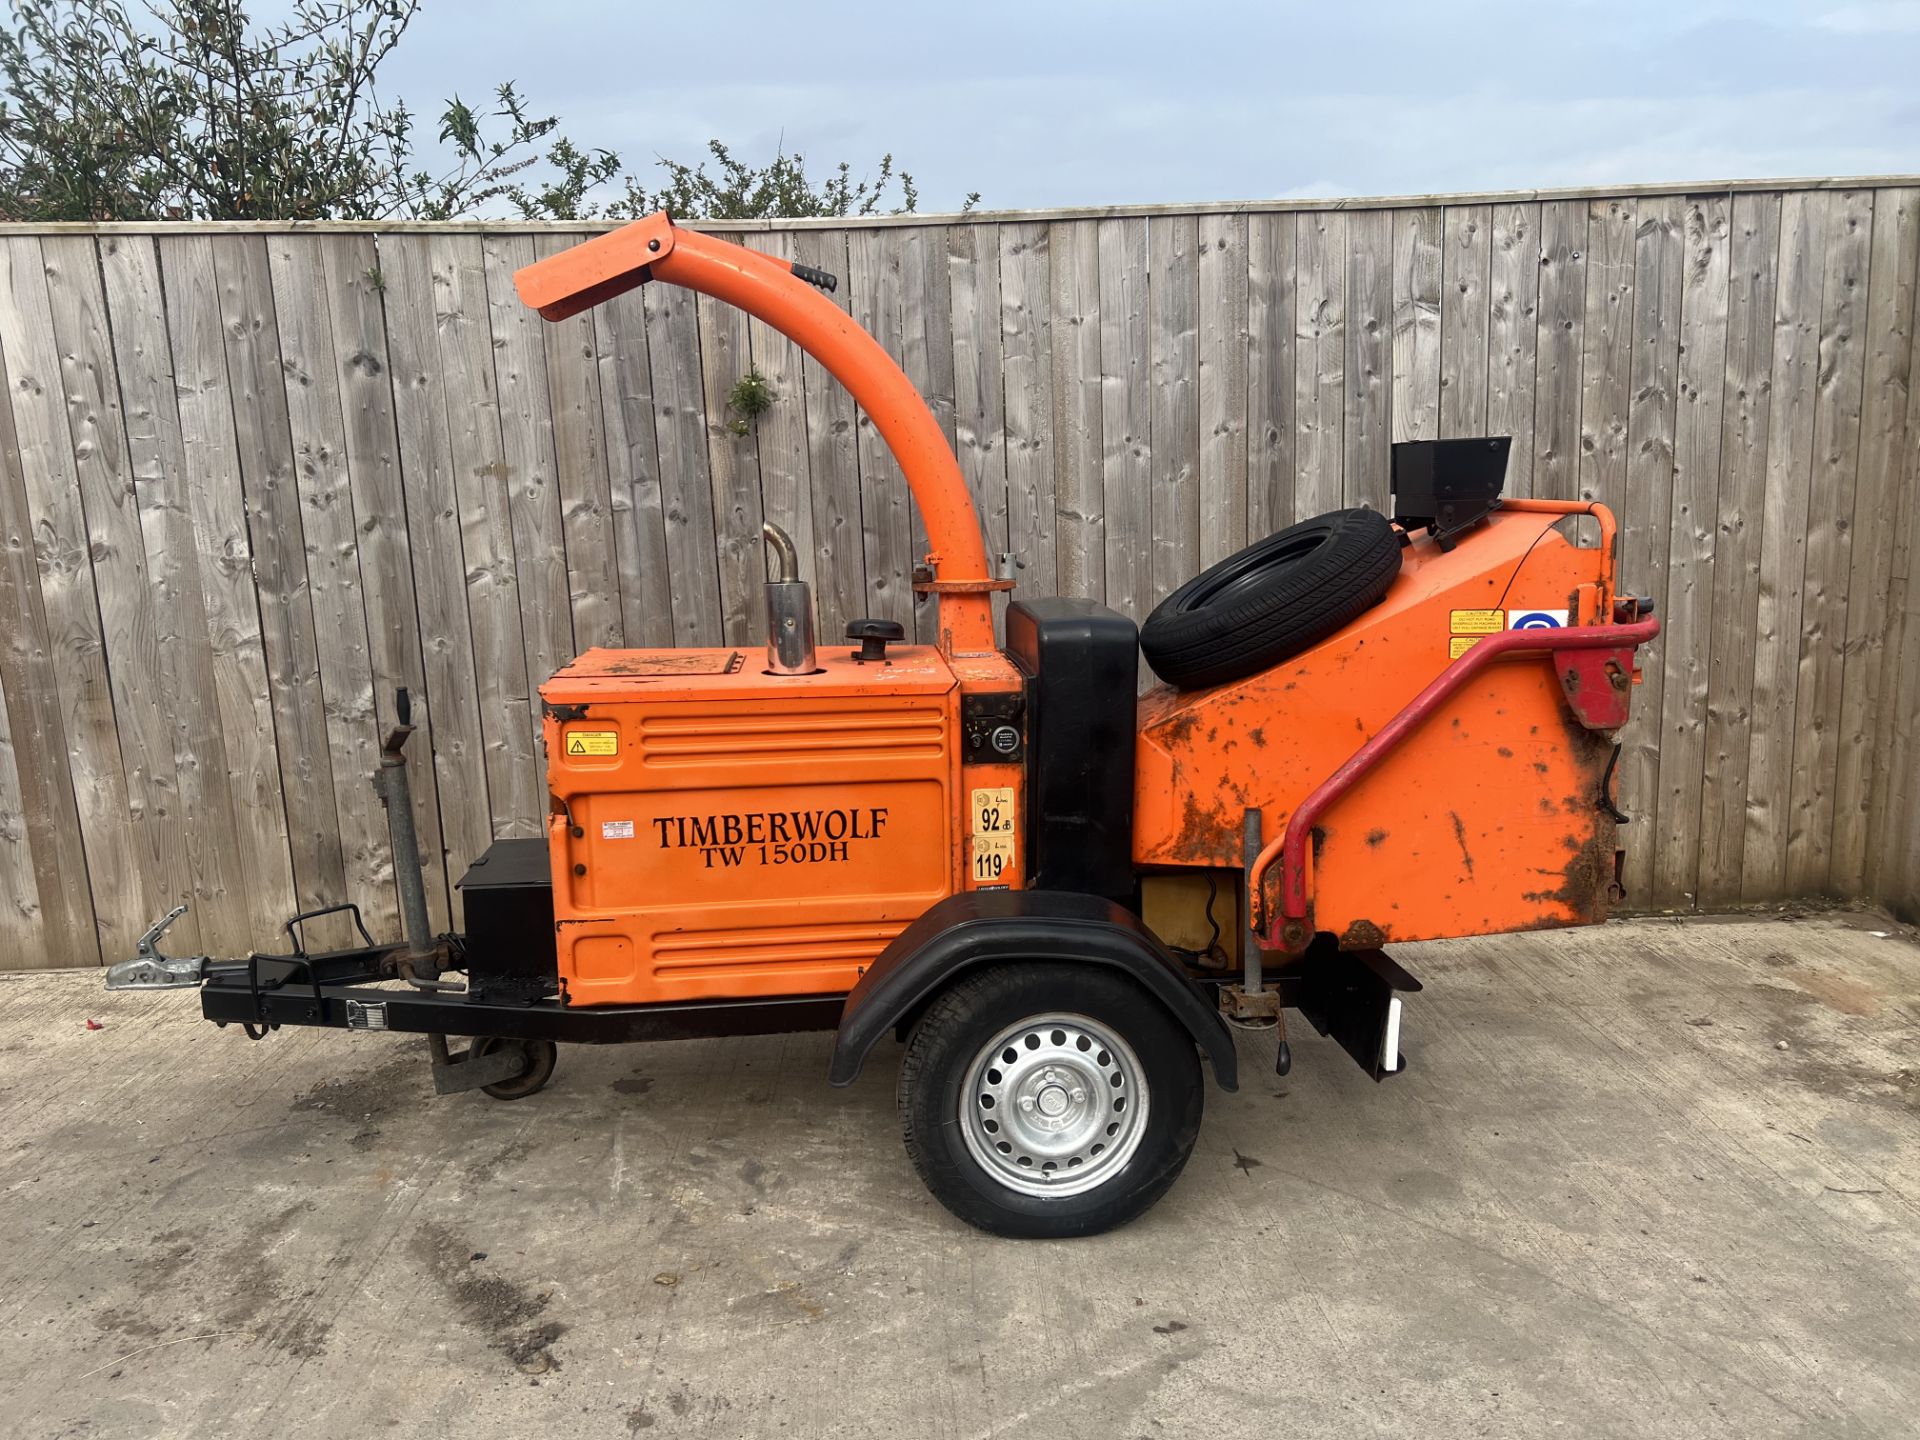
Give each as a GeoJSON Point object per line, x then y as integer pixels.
{"type": "Point", "coordinates": [1054, 1105]}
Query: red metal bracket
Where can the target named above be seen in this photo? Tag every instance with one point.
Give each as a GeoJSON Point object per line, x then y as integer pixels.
{"type": "Point", "coordinates": [1595, 666]}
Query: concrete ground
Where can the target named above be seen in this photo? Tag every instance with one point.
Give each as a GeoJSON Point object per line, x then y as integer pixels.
{"type": "Point", "coordinates": [1653, 1179]}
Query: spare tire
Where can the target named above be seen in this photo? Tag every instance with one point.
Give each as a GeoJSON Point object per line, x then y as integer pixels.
{"type": "Point", "coordinates": [1272, 599]}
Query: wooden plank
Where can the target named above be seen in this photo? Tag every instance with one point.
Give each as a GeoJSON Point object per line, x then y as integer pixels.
{"type": "Point", "coordinates": [1558, 350]}
{"type": "Point", "coordinates": [786, 482]}
{"type": "Point", "coordinates": [516, 789]}
{"type": "Point", "coordinates": [1680, 733]}
{"type": "Point", "coordinates": [21, 944]}
{"type": "Point", "coordinates": [1418, 260]}
{"type": "Point", "coordinates": [1319, 386]}
{"type": "Point", "coordinates": [1271, 344]}
{"type": "Point", "coordinates": [580, 469]}
{"type": "Point", "coordinates": [639, 521]}
{"type": "Point", "coordinates": [201, 828]}
{"type": "Point", "coordinates": [1465, 314]}
{"type": "Point", "coordinates": [231, 679]}
{"type": "Point", "coordinates": [313, 369]}
{"type": "Point", "coordinates": [61, 903]}
{"type": "Point", "coordinates": [1659, 253]}
{"type": "Point", "coordinates": [733, 469]}
{"type": "Point", "coordinates": [1513, 290]}
{"type": "Point", "coordinates": [1126, 415]}
{"type": "Point", "coordinates": [1728, 185]}
{"type": "Point", "coordinates": [1607, 352]}
{"type": "Point", "coordinates": [263, 441]}
{"type": "Point", "coordinates": [1073, 319]}
{"type": "Point", "coordinates": [1874, 772]}
{"type": "Point", "coordinates": [526, 450]}
{"type": "Point", "coordinates": [1754, 248]}
{"type": "Point", "coordinates": [875, 298]}
{"type": "Point", "coordinates": [1886, 392]}
{"type": "Point", "coordinates": [1829, 542]}
{"type": "Point", "coordinates": [1894, 868]}
{"type": "Point", "coordinates": [1223, 282]}
{"type": "Point", "coordinates": [886, 518]}
{"type": "Point", "coordinates": [1173, 310]}
{"type": "Point", "coordinates": [353, 281]}
{"type": "Point", "coordinates": [129, 652]}
{"type": "Point", "coordinates": [1794, 385]}
{"type": "Point", "coordinates": [432, 501]}
{"type": "Point", "coordinates": [1027, 372]}
{"type": "Point", "coordinates": [926, 354]}
{"type": "Point", "coordinates": [979, 416]}
{"type": "Point", "coordinates": [1367, 476]}
{"type": "Point", "coordinates": [833, 457]}
{"type": "Point", "coordinates": [680, 430]}
{"type": "Point", "coordinates": [926, 336]}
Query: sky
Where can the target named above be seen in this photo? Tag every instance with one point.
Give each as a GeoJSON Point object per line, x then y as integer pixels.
{"type": "Point", "coordinates": [1066, 103]}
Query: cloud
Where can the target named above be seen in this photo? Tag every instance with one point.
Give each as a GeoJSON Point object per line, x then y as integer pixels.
{"type": "Point", "coordinates": [1889, 17]}
{"type": "Point", "coordinates": [1071, 103]}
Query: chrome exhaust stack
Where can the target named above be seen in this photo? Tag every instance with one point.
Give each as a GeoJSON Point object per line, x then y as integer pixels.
{"type": "Point", "coordinates": [790, 645]}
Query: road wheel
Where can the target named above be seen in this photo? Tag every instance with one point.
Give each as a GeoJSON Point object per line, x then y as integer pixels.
{"type": "Point", "coordinates": [541, 1056]}
{"type": "Point", "coordinates": [1272, 600]}
{"type": "Point", "coordinates": [1049, 1100]}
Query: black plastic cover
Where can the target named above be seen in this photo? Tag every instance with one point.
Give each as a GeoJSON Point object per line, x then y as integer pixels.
{"type": "Point", "coordinates": [1082, 663]}
{"type": "Point", "coordinates": [1448, 485]}
{"type": "Point", "coordinates": [985, 927]}
{"type": "Point", "coordinates": [509, 904]}
{"type": "Point", "coordinates": [1346, 994]}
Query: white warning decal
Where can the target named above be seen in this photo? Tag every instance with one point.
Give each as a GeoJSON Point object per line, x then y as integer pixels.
{"type": "Point", "coordinates": [1537, 620]}
{"type": "Point", "coordinates": [616, 829]}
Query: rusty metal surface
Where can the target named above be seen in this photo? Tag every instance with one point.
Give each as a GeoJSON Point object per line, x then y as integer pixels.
{"type": "Point", "coordinates": [1488, 818]}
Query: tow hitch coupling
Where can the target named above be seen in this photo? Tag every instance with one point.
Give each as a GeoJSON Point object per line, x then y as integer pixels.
{"type": "Point", "coordinates": [150, 970]}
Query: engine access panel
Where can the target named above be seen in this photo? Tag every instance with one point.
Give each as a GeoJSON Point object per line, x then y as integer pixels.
{"type": "Point", "coordinates": [717, 832]}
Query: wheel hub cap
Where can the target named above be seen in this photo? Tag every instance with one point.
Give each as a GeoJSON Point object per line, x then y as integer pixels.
{"type": "Point", "coordinates": [1054, 1105]}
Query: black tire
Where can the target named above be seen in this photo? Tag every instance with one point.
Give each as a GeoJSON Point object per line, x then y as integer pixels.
{"type": "Point", "coordinates": [541, 1057]}
{"type": "Point", "coordinates": [949, 1042]}
{"type": "Point", "coordinates": [1272, 600]}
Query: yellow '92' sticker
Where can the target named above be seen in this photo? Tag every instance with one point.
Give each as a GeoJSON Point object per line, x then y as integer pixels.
{"type": "Point", "coordinates": [993, 810]}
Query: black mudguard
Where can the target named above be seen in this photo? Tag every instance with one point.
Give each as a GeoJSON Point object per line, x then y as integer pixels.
{"type": "Point", "coordinates": [988, 927]}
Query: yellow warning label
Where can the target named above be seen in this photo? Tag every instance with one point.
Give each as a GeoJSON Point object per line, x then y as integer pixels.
{"type": "Point", "coordinates": [1478, 622]}
{"type": "Point", "coordinates": [1460, 644]}
{"type": "Point", "coordinates": [993, 811]}
{"type": "Point", "coordinates": [992, 858]}
{"type": "Point", "coordinates": [593, 742]}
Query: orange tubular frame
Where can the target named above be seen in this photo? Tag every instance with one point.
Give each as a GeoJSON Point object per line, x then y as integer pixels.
{"type": "Point", "coordinates": [769, 290]}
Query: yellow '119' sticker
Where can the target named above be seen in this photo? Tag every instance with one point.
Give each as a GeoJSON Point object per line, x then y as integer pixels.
{"type": "Point", "coordinates": [593, 742]}
{"type": "Point", "coordinates": [992, 858]}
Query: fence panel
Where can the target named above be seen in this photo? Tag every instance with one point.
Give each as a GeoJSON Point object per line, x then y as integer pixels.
{"type": "Point", "coordinates": [254, 478]}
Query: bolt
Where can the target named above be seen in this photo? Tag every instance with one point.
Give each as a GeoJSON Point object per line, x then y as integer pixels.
{"type": "Point", "coordinates": [1026, 1102]}
{"type": "Point", "coordinates": [1079, 1097]}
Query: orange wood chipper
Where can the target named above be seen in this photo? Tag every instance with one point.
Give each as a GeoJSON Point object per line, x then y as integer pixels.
{"type": "Point", "coordinates": [1060, 893]}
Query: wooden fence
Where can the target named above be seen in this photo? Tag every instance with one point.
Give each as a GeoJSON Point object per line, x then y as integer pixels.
{"type": "Point", "coordinates": [257, 477]}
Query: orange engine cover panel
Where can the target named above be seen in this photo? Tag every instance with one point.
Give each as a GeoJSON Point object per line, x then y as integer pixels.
{"type": "Point", "coordinates": [718, 832]}
{"type": "Point", "coordinates": [1488, 818]}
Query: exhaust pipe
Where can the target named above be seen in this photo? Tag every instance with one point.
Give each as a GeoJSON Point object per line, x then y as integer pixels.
{"type": "Point", "coordinates": [790, 649]}
{"type": "Point", "coordinates": [390, 781]}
